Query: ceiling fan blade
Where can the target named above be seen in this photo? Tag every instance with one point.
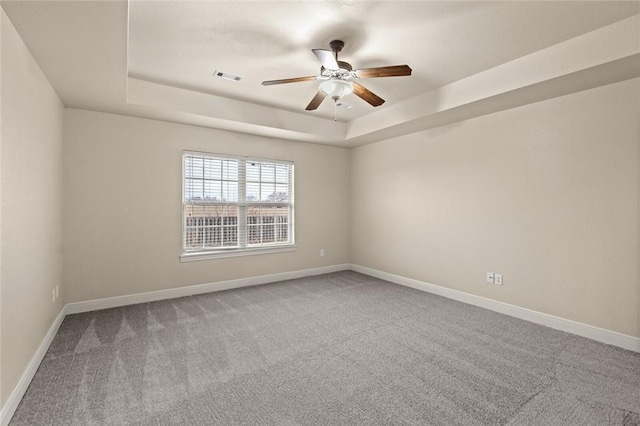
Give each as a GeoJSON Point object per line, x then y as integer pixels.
{"type": "Point", "coordinates": [367, 95]}
{"type": "Point", "coordinates": [326, 58]}
{"type": "Point", "coordinates": [391, 71]}
{"type": "Point", "coordinates": [316, 101]}
{"type": "Point", "coordinates": [288, 80]}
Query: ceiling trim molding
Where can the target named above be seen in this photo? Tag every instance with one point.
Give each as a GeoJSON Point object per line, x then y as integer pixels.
{"type": "Point", "coordinates": [589, 50]}
{"type": "Point", "coordinates": [221, 112]}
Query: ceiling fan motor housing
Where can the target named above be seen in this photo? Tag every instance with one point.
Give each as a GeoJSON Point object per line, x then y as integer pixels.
{"type": "Point", "coordinates": [343, 72]}
{"type": "Point", "coordinates": [345, 66]}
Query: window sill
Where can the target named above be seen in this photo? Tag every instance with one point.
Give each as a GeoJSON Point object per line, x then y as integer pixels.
{"type": "Point", "coordinates": [208, 255]}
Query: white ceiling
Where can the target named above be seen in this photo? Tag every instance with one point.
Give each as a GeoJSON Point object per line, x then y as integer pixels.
{"type": "Point", "coordinates": [88, 49]}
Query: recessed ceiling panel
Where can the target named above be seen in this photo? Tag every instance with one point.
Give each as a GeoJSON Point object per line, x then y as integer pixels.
{"type": "Point", "coordinates": [182, 43]}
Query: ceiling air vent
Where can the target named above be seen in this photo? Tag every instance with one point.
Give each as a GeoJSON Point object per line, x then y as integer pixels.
{"type": "Point", "coordinates": [226, 76]}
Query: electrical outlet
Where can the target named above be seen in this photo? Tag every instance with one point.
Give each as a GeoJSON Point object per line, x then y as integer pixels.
{"type": "Point", "coordinates": [498, 279]}
{"type": "Point", "coordinates": [321, 252]}
{"type": "Point", "coordinates": [57, 290]}
{"type": "Point", "coordinates": [490, 277]}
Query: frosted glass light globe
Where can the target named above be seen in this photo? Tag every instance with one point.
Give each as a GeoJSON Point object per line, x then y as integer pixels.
{"type": "Point", "coordinates": [336, 88]}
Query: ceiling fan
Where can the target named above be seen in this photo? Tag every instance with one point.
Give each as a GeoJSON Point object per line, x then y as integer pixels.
{"type": "Point", "coordinates": [338, 77]}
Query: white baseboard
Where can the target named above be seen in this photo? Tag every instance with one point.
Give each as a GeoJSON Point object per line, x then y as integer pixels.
{"type": "Point", "coordinates": [18, 392]}
{"type": "Point", "coordinates": [590, 332]}
{"type": "Point", "coordinates": [172, 293]}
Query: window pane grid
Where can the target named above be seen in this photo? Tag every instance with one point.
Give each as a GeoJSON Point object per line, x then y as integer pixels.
{"type": "Point", "coordinates": [268, 182]}
{"type": "Point", "coordinates": [267, 224]}
{"type": "Point", "coordinates": [210, 179]}
{"type": "Point", "coordinates": [207, 227]}
{"type": "Point", "coordinates": [234, 203]}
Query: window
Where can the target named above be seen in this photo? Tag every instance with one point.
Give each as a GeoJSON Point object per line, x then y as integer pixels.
{"type": "Point", "coordinates": [235, 205]}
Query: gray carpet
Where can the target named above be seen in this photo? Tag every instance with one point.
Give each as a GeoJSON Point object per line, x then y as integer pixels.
{"type": "Point", "coordinates": [337, 349]}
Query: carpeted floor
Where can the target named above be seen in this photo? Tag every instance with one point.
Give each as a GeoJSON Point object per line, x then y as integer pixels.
{"type": "Point", "coordinates": [337, 349]}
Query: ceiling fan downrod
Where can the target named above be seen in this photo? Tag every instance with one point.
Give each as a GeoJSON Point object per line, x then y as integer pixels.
{"type": "Point", "coordinates": [336, 47]}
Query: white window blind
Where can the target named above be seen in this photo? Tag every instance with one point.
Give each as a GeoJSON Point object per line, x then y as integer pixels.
{"type": "Point", "coordinates": [233, 204]}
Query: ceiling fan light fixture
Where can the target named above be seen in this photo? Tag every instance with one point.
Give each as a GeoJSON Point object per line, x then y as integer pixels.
{"type": "Point", "coordinates": [336, 88]}
{"type": "Point", "coordinates": [338, 75]}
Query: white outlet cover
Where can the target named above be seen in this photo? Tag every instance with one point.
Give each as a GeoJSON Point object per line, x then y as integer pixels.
{"type": "Point", "coordinates": [498, 279]}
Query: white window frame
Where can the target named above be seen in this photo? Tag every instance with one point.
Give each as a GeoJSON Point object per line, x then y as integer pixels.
{"type": "Point", "coordinates": [244, 248]}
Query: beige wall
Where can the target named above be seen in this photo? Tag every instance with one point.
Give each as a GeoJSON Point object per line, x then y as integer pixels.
{"type": "Point", "coordinates": [122, 205]}
{"type": "Point", "coordinates": [546, 194]}
{"type": "Point", "coordinates": [31, 207]}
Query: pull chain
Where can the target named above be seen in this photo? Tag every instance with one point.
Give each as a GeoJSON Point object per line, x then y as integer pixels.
{"type": "Point", "coordinates": [335, 110]}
